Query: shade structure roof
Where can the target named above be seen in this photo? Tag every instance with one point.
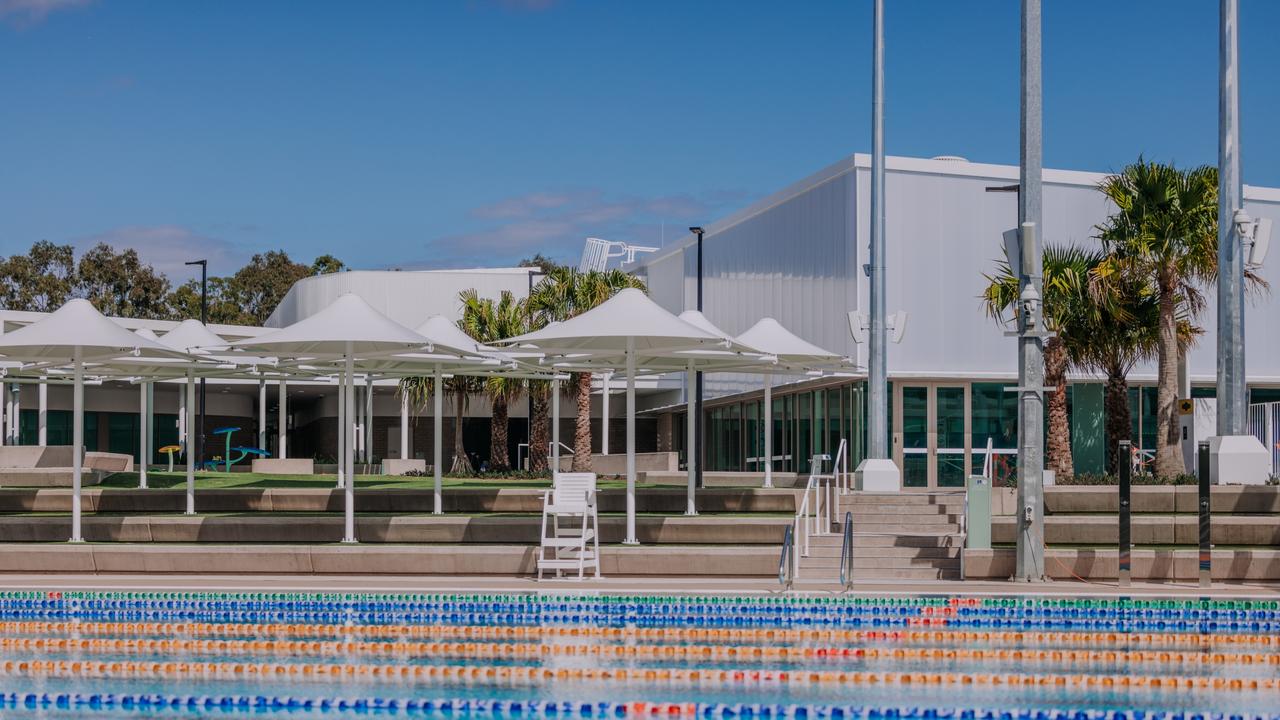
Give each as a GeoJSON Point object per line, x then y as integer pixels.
{"type": "Point", "coordinates": [348, 324]}
{"type": "Point", "coordinates": [607, 329]}
{"type": "Point", "coordinates": [728, 355]}
{"type": "Point", "coordinates": [768, 335]}
{"type": "Point", "coordinates": [77, 325]}
{"type": "Point", "coordinates": [193, 336]}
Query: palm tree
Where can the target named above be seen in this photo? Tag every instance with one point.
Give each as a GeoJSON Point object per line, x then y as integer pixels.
{"type": "Point", "coordinates": [1164, 233]}
{"type": "Point", "coordinates": [1067, 302]}
{"type": "Point", "coordinates": [566, 293]}
{"type": "Point", "coordinates": [487, 321]}
{"type": "Point", "coordinates": [459, 388]}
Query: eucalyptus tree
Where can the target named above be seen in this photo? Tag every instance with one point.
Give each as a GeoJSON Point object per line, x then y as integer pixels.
{"type": "Point", "coordinates": [566, 293]}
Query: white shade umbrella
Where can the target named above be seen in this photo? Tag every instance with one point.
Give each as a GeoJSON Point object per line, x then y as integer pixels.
{"type": "Point", "coordinates": [791, 350]}
{"type": "Point", "coordinates": [347, 328]}
{"type": "Point", "coordinates": [73, 334]}
{"type": "Point", "coordinates": [621, 327]}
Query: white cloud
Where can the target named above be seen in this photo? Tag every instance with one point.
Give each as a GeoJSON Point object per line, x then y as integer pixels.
{"type": "Point", "coordinates": [26, 13]}
{"type": "Point", "coordinates": [168, 247]}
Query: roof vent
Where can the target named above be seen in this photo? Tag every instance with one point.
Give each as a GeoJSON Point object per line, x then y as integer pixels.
{"type": "Point", "coordinates": [950, 158]}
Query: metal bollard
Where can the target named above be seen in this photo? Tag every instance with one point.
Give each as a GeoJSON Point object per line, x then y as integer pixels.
{"type": "Point", "coordinates": [1206, 553]}
{"type": "Point", "coordinates": [1126, 470]}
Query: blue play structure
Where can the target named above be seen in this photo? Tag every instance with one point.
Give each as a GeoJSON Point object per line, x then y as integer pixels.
{"type": "Point", "coordinates": [244, 451]}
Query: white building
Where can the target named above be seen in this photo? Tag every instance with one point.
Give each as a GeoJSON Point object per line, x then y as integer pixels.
{"type": "Point", "coordinates": [797, 256]}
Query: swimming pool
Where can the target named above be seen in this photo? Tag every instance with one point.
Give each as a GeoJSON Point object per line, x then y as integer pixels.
{"type": "Point", "coordinates": [181, 654]}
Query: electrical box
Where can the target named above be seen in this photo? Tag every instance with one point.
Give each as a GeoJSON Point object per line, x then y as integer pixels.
{"type": "Point", "coordinates": [978, 507]}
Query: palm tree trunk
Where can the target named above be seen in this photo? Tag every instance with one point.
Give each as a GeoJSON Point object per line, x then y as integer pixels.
{"type": "Point", "coordinates": [461, 463]}
{"type": "Point", "coordinates": [1055, 376]}
{"type": "Point", "coordinates": [1118, 422]}
{"type": "Point", "coordinates": [582, 425]}
{"type": "Point", "coordinates": [539, 434]}
{"type": "Point", "coordinates": [499, 461]}
{"type": "Point", "coordinates": [1168, 454]}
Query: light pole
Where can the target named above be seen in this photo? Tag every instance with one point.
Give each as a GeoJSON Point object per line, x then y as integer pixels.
{"type": "Point", "coordinates": [1233, 392]}
{"type": "Point", "coordinates": [204, 320]}
{"type": "Point", "coordinates": [696, 450]}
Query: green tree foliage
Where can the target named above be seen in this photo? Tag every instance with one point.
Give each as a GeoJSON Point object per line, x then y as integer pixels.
{"type": "Point", "coordinates": [119, 284]}
{"type": "Point", "coordinates": [249, 296]}
{"type": "Point", "coordinates": [542, 262]}
{"type": "Point", "coordinates": [40, 281]}
{"type": "Point", "coordinates": [487, 321]}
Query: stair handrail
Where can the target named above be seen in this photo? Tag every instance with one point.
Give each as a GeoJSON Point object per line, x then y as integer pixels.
{"type": "Point", "coordinates": [841, 466]}
{"type": "Point", "coordinates": [786, 565]}
{"type": "Point", "coordinates": [846, 553]}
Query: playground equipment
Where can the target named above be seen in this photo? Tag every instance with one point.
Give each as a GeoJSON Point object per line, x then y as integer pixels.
{"type": "Point", "coordinates": [170, 450]}
{"type": "Point", "coordinates": [244, 450]}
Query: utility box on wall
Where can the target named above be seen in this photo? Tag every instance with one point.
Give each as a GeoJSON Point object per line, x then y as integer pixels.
{"type": "Point", "coordinates": [978, 510]}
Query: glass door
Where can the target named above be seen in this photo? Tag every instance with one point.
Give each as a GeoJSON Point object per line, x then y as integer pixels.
{"type": "Point", "coordinates": [931, 437]}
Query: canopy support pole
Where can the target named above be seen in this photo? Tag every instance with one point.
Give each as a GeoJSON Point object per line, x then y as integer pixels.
{"type": "Point", "coordinates": [283, 421]}
{"type": "Point", "coordinates": [768, 430]}
{"type": "Point", "coordinates": [262, 414]}
{"type": "Point", "coordinates": [191, 446]}
{"type": "Point", "coordinates": [555, 427]}
{"type": "Point", "coordinates": [42, 418]}
{"type": "Point", "coordinates": [404, 426]}
{"type": "Point", "coordinates": [368, 420]}
{"type": "Point", "coordinates": [143, 427]}
{"type": "Point", "coordinates": [605, 382]}
{"type": "Point", "coordinates": [182, 424]}
{"type": "Point", "coordinates": [690, 439]}
{"type": "Point", "coordinates": [77, 439]}
{"type": "Point", "coordinates": [437, 440]}
{"type": "Point", "coordinates": [631, 443]}
{"type": "Point", "coordinates": [348, 432]}
{"type": "Point", "coordinates": [342, 434]}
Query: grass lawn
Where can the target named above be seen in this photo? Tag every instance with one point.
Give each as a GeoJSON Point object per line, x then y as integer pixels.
{"type": "Point", "coordinates": [216, 480]}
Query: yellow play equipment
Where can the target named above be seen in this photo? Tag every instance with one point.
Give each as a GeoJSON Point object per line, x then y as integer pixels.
{"type": "Point", "coordinates": [170, 450]}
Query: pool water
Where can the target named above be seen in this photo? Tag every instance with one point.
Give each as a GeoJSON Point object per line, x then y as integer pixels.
{"type": "Point", "coordinates": [94, 654]}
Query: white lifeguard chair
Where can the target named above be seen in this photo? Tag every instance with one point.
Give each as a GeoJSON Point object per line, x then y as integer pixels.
{"type": "Point", "coordinates": [597, 253]}
{"type": "Point", "coordinates": [576, 543]}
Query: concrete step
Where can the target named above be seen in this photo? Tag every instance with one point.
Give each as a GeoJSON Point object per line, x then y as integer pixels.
{"type": "Point", "coordinates": [369, 559]}
{"type": "Point", "coordinates": [825, 550]}
{"type": "Point", "coordinates": [868, 574]}
{"type": "Point", "coordinates": [496, 529]}
{"type": "Point", "coordinates": [892, 540]}
{"type": "Point", "coordinates": [906, 528]}
{"type": "Point", "coordinates": [832, 566]}
{"type": "Point", "coordinates": [902, 509]}
{"type": "Point", "coordinates": [903, 498]}
{"type": "Point", "coordinates": [861, 518]}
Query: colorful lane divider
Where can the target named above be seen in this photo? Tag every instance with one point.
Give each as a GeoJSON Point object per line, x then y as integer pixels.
{"type": "Point", "coordinates": [1013, 638]}
{"type": "Point", "coordinates": [682, 677]}
{"type": "Point", "coordinates": [540, 651]}
{"type": "Point", "coordinates": [466, 707]}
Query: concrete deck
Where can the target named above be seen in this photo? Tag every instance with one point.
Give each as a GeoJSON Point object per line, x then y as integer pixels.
{"type": "Point", "coordinates": [657, 585]}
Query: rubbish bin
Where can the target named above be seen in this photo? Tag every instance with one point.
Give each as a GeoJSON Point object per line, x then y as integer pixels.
{"type": "Point", "coordinates": [978, 520]}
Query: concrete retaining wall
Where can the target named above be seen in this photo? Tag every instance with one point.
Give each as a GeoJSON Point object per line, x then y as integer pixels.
{"type": "Point", "coordinates": [373, 559]}
{"type": "Point", "coordinates": [1069, 499]}
{"type": "Point", "coordinates": [616, 464]}
{"type": "Point", "coordinates": [1147, 530]}
{"type": "Point", "coordinates": [315, 500]}
{"type": "Point", "coordinates": [283, 466]}
{"type": "Point", "coordinates": [1166, 565]}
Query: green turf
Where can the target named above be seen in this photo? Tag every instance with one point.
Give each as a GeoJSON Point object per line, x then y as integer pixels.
{"type": "Point", "coordinates": [217, 480]}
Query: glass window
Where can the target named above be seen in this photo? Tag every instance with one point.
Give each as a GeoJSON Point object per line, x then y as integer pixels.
{"type": "Point", "coordinates": [820, 423]}
{"type": "Point", "coordinates": [754, 437]}
{"type": "Point", "coordinates": [779, 434]}
{"type": "Point", "coordinates": [835, 428]}
{"type": "Point", "coordinates": [950, 427]}
{"type": "Point", "coordinates": [915, 436]}
{"type": "Point", "coordinates": [804, 432]}
{"type": "Point", "coordinates": [1149, 407]}
{"type": "Point", "coordinates": [994, 417]}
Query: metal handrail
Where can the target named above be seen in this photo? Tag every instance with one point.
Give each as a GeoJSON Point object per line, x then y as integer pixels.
{"type": "Point", "coordinates": [846, 553]}
{"type": "Point", "coordinates": [551, 447]}
{"type": "Point", "coordinates": [786, 574]}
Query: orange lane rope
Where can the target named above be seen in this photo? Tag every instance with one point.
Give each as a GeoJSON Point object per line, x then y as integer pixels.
{"type": "Point", "coordinates": [534, 651]}
{"type": "Point", "coordinates": [179, 670]}
{"type": "Point", "coordinates": [739, 635]}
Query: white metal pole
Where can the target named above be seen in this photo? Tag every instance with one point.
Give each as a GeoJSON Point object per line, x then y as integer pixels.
{"type": "Point", "coordinates": [768, 430]}
{"type": "Point", "coordinates": [404, 426]}
{"type": "Point", "coordinates": [631, 443]}
{"type": "Point", "coordinates": [191, 446]}
{"type": "Point", "coordinates": [142, 434]}
{"type": "Point", "coordinates": [282, 452]}
{"type": "Point", "coordinates": [437, 440]}
{"type": "Point", "coordinates": [43, 415]}
{"type": "Point", "coordinates": [691, 434]}
{"type": "Point", "coordinates": [877, 356]}
{"type": "Point", "coordinates": [606, 380]}
{"type": "Point", "coordinates": [182, 423]}
{"type": "Point", "coordinates": [368, 420]}
{"type": "Point", "coordinates": [77, 440]}
{"type": "Point", "coordinates": [342, 434]}
{"type": "Point", "coordinates": [348, 430]}
{"type": "Point", "coordinates": [151, 421]}
{"type": "Point", "coordinates": [262, 414]}
{"type": "Point", "coordinates": [555, 426]}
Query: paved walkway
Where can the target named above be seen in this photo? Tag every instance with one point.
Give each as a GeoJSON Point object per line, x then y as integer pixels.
{"type": "Point", "coordinates": [615, 585]}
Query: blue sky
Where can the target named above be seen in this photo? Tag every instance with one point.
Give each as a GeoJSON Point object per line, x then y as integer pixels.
{"type": "Point", "coordinates": [448, 133]}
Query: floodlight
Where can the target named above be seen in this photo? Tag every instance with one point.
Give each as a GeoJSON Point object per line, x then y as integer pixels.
{"type": "Point", "coordinates": [898, 324]}
{"type": "Point", "coordinates": [858, 326]}
{"type": "Point", "coordinates": [1261, 242]}
{"type": "Point", "coordinates": [1013, 251]}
